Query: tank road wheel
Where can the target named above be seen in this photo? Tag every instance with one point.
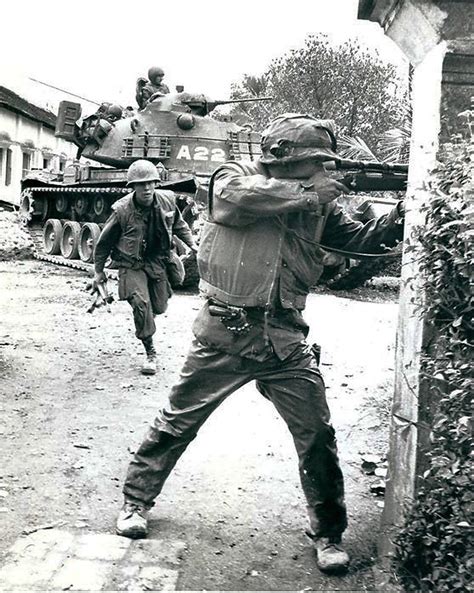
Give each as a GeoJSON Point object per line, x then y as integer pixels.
{"type": "Point", "coordinates": [99, 205]}
{"type": "Point", "coordinates": [81, 205]}
{"type": "Point", "coordinates": [32, 208]}
{"type": "Point", "coordinates": [87, 241]}
{"type": "Point", "coordinates": [70, 240]}
{"type": "Point", "coordinates": [62, 204]}
{"type": "Point", "coordinates": [52, 232]}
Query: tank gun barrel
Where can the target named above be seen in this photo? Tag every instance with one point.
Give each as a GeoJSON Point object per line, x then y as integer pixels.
{"type": "Point", "coordinates": [213, 104]}
{"type": "Point", "coordinates": [243, 100]}
{"type": "Point", "coordinates": [206, 106]}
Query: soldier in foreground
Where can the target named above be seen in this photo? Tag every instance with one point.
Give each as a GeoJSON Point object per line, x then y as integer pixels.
{"type": "Point", "coordinates": [275, 214]}
{"type": "Point", "coordinates": [138, 235]}
{"type": "Point", "coordinates": [153, 86]}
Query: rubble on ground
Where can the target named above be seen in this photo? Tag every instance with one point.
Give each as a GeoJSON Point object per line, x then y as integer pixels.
{"type": "Point", "coordinates": [15, 242]}
{"type": "Point", "coordinates": [375, 465]}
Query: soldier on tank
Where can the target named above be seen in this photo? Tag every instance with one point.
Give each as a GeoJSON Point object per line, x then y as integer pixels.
{"type": "Point", "coordinates": [95, 127]}
{"type": "Point", "coordinates": [154, 86]}
{"type": "Point", "coordinates": [276, 214]}
{"type": "Point", "coordinates": [138, 235]}
{"type": "Point", "coordinates": [113, 113]}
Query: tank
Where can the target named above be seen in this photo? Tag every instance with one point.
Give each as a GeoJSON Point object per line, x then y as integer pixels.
{"type": "Point", "coordinates": [64, 213]}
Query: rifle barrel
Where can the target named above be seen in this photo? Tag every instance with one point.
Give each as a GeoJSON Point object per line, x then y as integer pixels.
{"type": "Point", "coordinates": [349, 165]}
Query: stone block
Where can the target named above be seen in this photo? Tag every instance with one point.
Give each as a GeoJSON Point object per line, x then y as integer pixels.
{"type": "Point", "coordinates": [27, 575]}
{"type": "Point", "coordinates": [125, 578]}
{"type": "Point", "coordinates": [38, 544]}
{"type": "Point", "coordinates": [55, 560]}
{"type": "Point", "coordinates": [100, 546]}
{"type": "Point", "coordinates": [155, 578]}
{"type": "Point", "coordinates": [81, 575]}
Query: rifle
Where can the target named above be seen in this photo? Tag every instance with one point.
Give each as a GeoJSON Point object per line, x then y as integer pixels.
{"type": "Point", "coordinates": [366, 176]}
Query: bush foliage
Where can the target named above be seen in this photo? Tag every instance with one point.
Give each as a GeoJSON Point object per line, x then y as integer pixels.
{"type": "Point", "coordinates": [433, 551]}
{"type": "Point", "coordinates": [363, 94]}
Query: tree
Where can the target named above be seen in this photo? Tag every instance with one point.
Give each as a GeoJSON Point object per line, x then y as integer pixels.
{"type": "Point", "coordinates": [343, 82]}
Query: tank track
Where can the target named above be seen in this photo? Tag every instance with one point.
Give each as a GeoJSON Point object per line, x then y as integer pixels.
{"type": "Point", "coordinates": [35, 229]}
{"type": "Point", "coordinates": [36, 234]}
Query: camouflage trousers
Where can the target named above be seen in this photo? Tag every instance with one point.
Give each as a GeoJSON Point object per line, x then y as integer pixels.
{"type": "Point", "coordinates": [295, 388]}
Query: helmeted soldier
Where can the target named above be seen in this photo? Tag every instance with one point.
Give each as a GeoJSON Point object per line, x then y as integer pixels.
{"type": "Point", "coordinates": [154, 87]}
{"type": "Point", "coordinates": [277, 214]}
{"type": "Point", "coordinates": [95, 127]}
{"type": "Point", "coordinates": [138, 235]}
{"type": "Point", "coordinates": [114, 113]}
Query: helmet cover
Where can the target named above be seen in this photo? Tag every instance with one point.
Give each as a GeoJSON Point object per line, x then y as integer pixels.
{"type": "Point", "coordinates": [294, 137]}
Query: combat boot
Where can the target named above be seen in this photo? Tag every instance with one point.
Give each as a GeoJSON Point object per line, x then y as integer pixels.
{"type": "Point", "coordinates": [330, 555]}
{"type": "Point", "coordinates": [149, 366]}
{"type": "Point", "coordinates": [132, 521]}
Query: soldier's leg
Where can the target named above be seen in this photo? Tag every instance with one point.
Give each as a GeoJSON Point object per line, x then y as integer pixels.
{"type": "Point", "coordinates": [297, 390]}
{"type": "Point", "coordinates": [207, 378]}
{"type": "Point", "coordinates": [160, 292]}
{"type": "Point", "coordinates": [133, 287]}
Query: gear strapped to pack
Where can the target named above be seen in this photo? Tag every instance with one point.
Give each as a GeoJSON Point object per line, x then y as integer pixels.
{"type": "Point", "coordinates": [233, 318]}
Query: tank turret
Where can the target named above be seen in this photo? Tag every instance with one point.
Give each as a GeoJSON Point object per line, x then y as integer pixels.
{"type": "Point", "coordinates": [173, 131]}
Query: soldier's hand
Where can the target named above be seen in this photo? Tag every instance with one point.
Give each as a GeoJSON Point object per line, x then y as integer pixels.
{"type": "Point", "coordinates": [400, 207]}
{"type": "Point", "coordinates": [328, 189]}
{"type": "Point", "coordinates": [310, 201]}
{"type": "Point", "coordinates": [99, 278]}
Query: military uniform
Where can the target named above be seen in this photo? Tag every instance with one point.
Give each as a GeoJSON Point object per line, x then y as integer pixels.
{"type": "Point", "coordinates": [139, 240]}
{"type": "Point", "coordinates": [149, 89]}
{"type": "Point", "coordinates": [261, 253]}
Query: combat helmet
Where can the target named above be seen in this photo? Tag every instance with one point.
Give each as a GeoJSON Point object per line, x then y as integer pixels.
{"type": "Point", "coordinates": [155, 71]}
{"type": "Point", "coordinates": [115, 111]}
{"type": "Point", "coordinates": [294, 137]}
{"type": "Point", "coordinates": [142, 171]}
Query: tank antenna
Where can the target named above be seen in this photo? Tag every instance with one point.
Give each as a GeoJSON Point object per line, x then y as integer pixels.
{"type": "Point", "coordinates": [63, 90]}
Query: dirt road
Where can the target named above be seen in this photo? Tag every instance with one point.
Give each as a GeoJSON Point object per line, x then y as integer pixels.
{"type": "Point", "coordinates": [74, 407]}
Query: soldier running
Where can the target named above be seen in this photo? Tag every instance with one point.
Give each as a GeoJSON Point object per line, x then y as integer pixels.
{"type": "Point", "coordinates": [138, 235]}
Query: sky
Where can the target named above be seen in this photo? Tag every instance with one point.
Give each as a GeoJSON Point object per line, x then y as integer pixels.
{"type": "Point", "coordinates": [97, 49]}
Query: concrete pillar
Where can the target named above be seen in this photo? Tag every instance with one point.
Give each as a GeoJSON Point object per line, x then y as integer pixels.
{"type": "Point", "coordinates": [407, 428]}
{"type": "Point", "coordinates": [437, 37]}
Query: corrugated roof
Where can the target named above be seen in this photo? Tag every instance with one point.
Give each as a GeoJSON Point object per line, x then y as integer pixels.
{"type": "Point", "coordinates": [14, 102]}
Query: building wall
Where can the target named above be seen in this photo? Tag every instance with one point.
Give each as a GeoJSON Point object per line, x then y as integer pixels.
{"type": "Point", "coordinates": [25, 145]}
